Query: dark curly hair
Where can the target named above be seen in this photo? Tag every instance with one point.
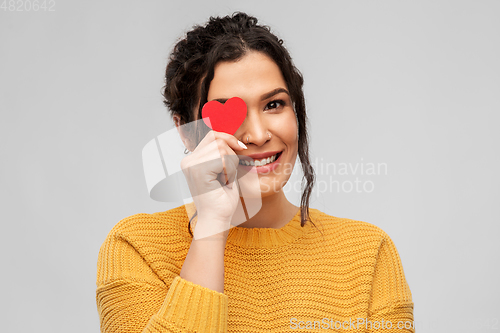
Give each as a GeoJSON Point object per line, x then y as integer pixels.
{"type": "Point", "coordinates": [191, 69]}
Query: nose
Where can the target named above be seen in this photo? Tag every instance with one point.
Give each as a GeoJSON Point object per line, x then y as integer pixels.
{"type": "Point", "coordinates": [254, 128]}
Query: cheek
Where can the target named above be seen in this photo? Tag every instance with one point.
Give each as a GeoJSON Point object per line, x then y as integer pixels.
{"type": "Point", "coordinates": [289, 130]}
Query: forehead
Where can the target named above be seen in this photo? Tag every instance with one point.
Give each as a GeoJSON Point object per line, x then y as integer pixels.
{"type": "Point", "coordinates": [254, 74]}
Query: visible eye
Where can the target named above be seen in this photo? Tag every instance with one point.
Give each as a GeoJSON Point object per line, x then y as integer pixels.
{"type": "Point", "coordinates": [275, 104]}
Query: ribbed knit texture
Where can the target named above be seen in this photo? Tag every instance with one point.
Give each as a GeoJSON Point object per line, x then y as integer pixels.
{"type": "Point", "coordinates": [274, 278]}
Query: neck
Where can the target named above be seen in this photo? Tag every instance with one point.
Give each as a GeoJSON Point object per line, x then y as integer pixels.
{"type": "Point", "coordinates": [275, 213]}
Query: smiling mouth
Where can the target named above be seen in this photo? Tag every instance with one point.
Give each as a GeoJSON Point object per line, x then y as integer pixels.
{"type": "Point", "coordinates": [261, 162]}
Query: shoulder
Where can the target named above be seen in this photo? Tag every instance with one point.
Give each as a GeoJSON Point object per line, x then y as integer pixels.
{"type": "Point", "coordinates": [151, 233]}
{"type": "Point", "coordinates": [348, 232]}
{"type": "Point", "coordinates": [146, 225]}
{"type": "Point", "coordinates": [156, 242]}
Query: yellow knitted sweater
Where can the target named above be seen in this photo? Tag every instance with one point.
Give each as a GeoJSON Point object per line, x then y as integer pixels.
{"type": "Point", "coordinates": [276, 280]}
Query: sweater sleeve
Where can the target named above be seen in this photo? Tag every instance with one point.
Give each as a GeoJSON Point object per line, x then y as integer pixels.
{"type": "Point", "coordinates": [132, 298]}
{"type": "Point", "coordinates": [391, 298]}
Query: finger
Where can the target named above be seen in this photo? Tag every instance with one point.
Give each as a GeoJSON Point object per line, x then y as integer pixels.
{"type": "Point", "coordinates": [232, 180]}
{"type": "Point", "coordinates": [226, 181]}
{"type": "Point", "coordinates": [230, 140]}
{"type": "Point", "coordinates": [232, 162]}
{"type": "Point", "coordinates": [231, 165]}
{"type": "Point", "coordinates": [221, 151]}
{"type": "Point", "coordinates": [213, 150]}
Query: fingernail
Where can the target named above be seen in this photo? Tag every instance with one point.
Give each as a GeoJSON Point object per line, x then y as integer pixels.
{"type": "Point", "coordinates": [242, 145]}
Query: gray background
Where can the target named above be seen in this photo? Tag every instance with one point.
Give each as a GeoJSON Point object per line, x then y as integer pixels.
{"type": "Point", "coordinates": [412, 84]}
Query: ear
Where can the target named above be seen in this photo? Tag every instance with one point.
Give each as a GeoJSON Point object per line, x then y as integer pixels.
{"type": "Point", "coordinates": [178, 124]}
{"type": "Point", "coordinates": [177, 120]}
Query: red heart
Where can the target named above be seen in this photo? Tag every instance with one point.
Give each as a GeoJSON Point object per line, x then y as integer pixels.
{"type": "Point", "coordinates": [226, 117]}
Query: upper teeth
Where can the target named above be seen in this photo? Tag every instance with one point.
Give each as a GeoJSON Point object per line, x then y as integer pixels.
{"type": "Point", "coordinates": [261, 162]}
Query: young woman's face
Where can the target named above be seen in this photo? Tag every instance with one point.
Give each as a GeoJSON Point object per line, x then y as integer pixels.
{"type": "Point", "coordinates": [257, 80]}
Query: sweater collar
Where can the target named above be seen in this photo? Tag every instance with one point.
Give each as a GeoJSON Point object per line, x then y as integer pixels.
{"type": "Point", "coordinates": [269, 237]}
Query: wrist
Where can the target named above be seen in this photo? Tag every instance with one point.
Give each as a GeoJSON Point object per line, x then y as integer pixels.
{"type": "Point", "coordinates": [211, 228]}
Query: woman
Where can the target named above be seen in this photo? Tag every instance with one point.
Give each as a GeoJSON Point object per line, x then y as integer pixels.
{"type": "Point", "coordinates": [286, 267]}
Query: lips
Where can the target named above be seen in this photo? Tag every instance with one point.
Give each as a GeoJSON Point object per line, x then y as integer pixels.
{"type": "Point", "coordinates": [260, 162]}
{"type": "Point", "coordinates": [261, 155]}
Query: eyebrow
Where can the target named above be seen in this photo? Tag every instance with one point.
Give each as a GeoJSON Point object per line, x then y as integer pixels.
{"type": "Point", "coordinates": [262, 98]}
